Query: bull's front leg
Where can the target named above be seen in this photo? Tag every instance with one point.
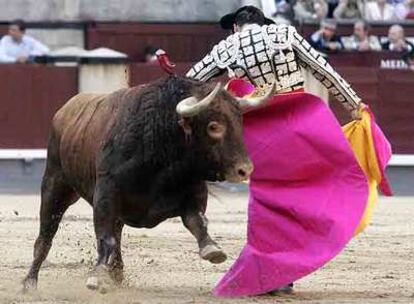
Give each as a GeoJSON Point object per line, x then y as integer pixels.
{"type": "Point", "coordinates": [196, 222]}
{"type": "Point", "coordinates": [105, 216]}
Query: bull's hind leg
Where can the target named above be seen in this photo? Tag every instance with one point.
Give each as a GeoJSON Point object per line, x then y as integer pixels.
{"type": "Point", "coordinates": [196, 222]}
{"type": "Point", "coordinates": [56, 197]}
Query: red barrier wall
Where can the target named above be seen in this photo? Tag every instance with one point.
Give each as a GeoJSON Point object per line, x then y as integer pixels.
{"type": "Point", "coordinates": [29, 97]}
{"type": "Point", "coordinates": [389, 94]}
{"type": "Point", "coordinates": [183, 42]}
{"type": "Point", "coordinates": [140, 73]}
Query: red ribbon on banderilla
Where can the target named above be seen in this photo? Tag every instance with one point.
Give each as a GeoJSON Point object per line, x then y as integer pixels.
{"type": "Point", "coordinates": [164, 62]}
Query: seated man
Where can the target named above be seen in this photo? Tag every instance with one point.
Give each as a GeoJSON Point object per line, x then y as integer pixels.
{"type": "Point", "coordinates": [18, 47]}
{"type": "Point", "coordinates": [361, 40]}
{"type": "Point", "coordinates": [325, 39]}
{"type": "Point", "coordinates": [397, 43]}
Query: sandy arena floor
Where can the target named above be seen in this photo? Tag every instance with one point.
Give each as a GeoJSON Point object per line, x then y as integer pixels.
{"type": "Point", "coordinates": [162, 264]}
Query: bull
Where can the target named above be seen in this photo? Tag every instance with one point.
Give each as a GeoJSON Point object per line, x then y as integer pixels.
{"type": "Point", "coordinates": [139, 156]}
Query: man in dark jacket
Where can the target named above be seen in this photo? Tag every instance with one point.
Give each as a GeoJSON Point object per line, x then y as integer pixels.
{"type": "Point", "coordinates": [398, 43]}
{"type": "Point", "coordinates": [325, 39]}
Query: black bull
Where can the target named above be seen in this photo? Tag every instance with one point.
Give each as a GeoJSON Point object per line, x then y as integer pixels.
{"type": "Point", "coordinates": [136, 161]}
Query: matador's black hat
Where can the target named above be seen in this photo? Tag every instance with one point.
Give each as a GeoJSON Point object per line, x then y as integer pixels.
{"type": "Point", "coordinates": [228, 20]}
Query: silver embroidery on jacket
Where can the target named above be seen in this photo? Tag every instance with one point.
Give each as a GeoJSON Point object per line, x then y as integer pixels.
{"type": "Point", "coordinates": [272, 54]}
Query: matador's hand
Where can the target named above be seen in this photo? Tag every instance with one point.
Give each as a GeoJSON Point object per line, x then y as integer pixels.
{"type": "Point", "coordinates": [356, 114]}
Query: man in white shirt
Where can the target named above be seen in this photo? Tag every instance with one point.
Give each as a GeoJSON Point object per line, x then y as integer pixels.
{"type": "Point", "coordinates": [17, 47]}
{"type": "Point", "coordinates": [361, 40]}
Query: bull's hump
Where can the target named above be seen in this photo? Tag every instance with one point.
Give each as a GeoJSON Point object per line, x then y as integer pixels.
{"type": "Point", "coordinates": [82, 125]}
{"type": "Point", "coordinates": [76, 105]}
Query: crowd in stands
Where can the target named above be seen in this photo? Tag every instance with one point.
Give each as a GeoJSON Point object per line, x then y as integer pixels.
{"type": "Point", "coordinates": [18, 47]}
{"type": "Point", "coordinates": [370, 10]}
{"type": "Point", "coordinates": [326, 39]}
{"type": "Point", "coordinates": [360, 12]}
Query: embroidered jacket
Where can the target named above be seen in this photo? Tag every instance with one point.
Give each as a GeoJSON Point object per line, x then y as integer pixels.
{"type": "Point", "coordinates": [271, 54]}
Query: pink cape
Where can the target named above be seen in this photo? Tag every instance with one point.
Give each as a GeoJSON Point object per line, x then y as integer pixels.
{"type": "Point", "coordinates": [307, 195]}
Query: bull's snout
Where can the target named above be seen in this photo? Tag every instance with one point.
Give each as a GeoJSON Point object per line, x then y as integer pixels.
{"type": "Point", "coordinates": [241, 172]}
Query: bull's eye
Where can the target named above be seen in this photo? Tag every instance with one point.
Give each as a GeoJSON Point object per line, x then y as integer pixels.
{"type": "Point", "coordinates": [216, 130]}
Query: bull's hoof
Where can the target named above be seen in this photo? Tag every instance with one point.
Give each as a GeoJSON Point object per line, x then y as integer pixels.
{"type": "Point", "coordinates": [92, 283]}
{"type": "Point", "coordinates": [97, 284]}
{"type": "Point", "coordinates": [29, 284]}
{"type": "Point", "coordinates": [100, 281]}
{"type": "Point", "coordinates": [213, 254]}
{"type": "Point", "coordinates": [117, 276]}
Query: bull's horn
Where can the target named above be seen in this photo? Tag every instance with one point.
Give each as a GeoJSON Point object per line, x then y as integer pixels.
{"type": "Point", "coordinates": [256, 101]}
{"type": "Point", "coordinates": [191, 106]}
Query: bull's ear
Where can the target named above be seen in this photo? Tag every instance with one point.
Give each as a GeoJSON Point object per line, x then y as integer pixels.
{"type": "Point", "coordinates": [185, 124]}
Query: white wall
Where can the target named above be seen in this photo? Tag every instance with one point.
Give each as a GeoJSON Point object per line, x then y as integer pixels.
{"type": "Point", "coordinates": [102, 78]}
{"type": "Point", "coordinates": [59, 38]}
{"type": "Point", "coordinates": [116, 10]}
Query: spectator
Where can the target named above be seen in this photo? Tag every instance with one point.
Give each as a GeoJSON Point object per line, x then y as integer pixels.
{"type": "Point", "coordinates": [332, 4]}
{"type": "Point", "coordinates": [311, 9]}
{"type": "Point", "coordinates": [410, 62]}
{"type": "Point", "coordinates": [404, 9]}
{"type": "Point", "coordinates": [410, 10]}
{"type": "Point", "coordinates": [361, 40]}
{"type": "Point", "coordinates": [150, 54]}
{"type": "Point", "coordinates": [18, 47]}
{"type": "Point", "coordinates": [397, 42]}
{"type": "Point", "coordinates": [396, 2]}
{"type": "Point", "coordinates": [283, 11]}
{"type": "Point", "coordinates": [379, 10]}
{"type": "Point", "coordinates": [325, 39]}
{"type": "Point", "coordinates": [349, 9]}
